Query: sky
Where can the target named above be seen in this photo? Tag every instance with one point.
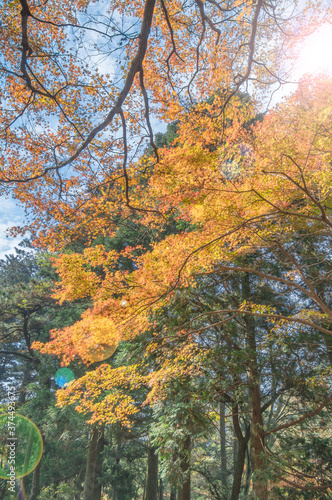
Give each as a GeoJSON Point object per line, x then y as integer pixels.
{"type": "Point", "coordinates": [316, 54]}
{"type": "Point", "coordinates": [10, 215]}
{"type": "Point", "coordinates": [315, 57]}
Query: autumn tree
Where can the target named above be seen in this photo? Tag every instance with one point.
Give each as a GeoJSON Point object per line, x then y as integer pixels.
{"type": "Point", "coordinates": [254, 206]}
{"type": "Point", "coordinates": [83, 82]}
{"type": "Point", "coordinates": [72, 140]}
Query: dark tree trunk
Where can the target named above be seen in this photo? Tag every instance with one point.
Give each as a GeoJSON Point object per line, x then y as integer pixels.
{"type": "Point", "coordinates": [99, 465]}
{"type": "Point", "coordinates": [184, 493]}
{"type": "Point", "coordinates": [235, 452]}
{"type": "Point", "coordinates": [35, 486]}
{"type": "Point", "coordinates": [223, 444]}
{"type": "Point", "coordinates": [248, 475]}
{"type": "Point", "coordinates": [257, 441]}
{"type": "Point", "coordinates": [92, 485]}
{"type": "Point", "coordinates": [256, 418]}
{"type": "Point", "coordinates": [161, 489]}
{"type": "Point", "coordinates": [151, 488]}
{"type": "Point", "coordinates": [239, 453]}
{"type": "Point", "coordinates": [26, 379]}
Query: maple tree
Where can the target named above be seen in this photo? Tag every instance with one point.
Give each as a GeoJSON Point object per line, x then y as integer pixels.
{"type": "Point", "coordinates": [81, 86]}
{"type": "Point", "coordinates": [257, 209]}
{"type": "Point", "coordinates": [263, 192]}
{"type": "Point", "coordinates": [81, 83]}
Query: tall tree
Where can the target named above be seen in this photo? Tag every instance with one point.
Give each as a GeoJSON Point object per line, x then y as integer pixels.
{"type": "Point", "coordinates": [249, 204]}
{"type": "Point", "coordinates": [83, 82]}
{"type": "Point", "coordinates": [27, 313]}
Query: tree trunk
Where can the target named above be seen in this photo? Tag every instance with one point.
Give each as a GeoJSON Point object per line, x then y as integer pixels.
{"type": "Point", "coordinates": [256, 419]}
{"type": "Point", "coordinates": [173, 493]}
{"type": "Point", "coordinates": [92, 485]}
{"type": "Point", "coordinates": [115, 484]}
{"type": "Point", "coordinates": [248, 475]}
{"type": "Point", "coordinates": [184, 493]}
{"type": "Point", "coordinates": [257, 441]}
{"type": "Point", "coordinates": [161, 489]}
{"type": "Point", "coordinates": [235, 452]}
{"type": "Point", "coordinates": [99, 465]}
{"type": "Point", "coordinates": [25, 381]}
{"type": "Point", "coordinates": [35, 486]}
{"type": "Point", "coordinates": [151, 488]}
{"type": "Point", "coordinates": [223, 444]}
{"type": "Point", "coordinates": [239, 453]}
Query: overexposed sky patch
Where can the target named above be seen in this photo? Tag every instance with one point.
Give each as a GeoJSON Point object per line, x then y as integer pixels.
{"type": "Point", "coordinates": [314, 58]}
{"type": "Point", "coordinates": [315, 55]}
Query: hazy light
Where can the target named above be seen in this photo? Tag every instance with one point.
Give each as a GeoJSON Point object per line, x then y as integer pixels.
{"type": "Point", "coordinates": [316, 54]}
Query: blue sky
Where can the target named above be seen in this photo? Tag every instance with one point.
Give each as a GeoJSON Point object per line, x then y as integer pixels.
{"type": "Point", "coordinates": [10, 215]}
{"type": "Point", "coordinates": [313, 58]}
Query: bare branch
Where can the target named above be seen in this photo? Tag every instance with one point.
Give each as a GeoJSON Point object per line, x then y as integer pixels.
{"type": "Point", "coordinates": [306, 415]}
{"type": "Point", "coordinates": [135, 67]}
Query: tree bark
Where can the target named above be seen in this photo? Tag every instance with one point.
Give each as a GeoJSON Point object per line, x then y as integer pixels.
{"type": "Point", "coordinates": [239, 453]}
{"type": "Point", "coordinates": [161, 489]}
{"type": "Point", "coordinates": [248, 475]}
{"type": "Point", "coordinates": [35, 486]}
{"type": "Point", "coordinates": [151, 487]}
{"type": "Point", "coordinates": [256, 419]}
{"type": "Point", "coordinates": [92, 486]}
{"type": "Point", "coordinates": [235, 452]}
{"type": "Point", "coordinates": [184, 493]}
{"type": "Point", "coordinates": [223, 444]}
{"type": "Point", "coordinates": [26, 380]}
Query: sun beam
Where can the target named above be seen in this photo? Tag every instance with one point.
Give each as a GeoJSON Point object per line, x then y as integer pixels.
{"type": "Point", "coordinates": [316, 54]}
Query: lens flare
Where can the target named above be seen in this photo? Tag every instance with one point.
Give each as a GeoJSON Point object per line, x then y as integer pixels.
{"type": "Point", "coordinates": [19, 484]}
{"type": "Point", "coordinates": [63, 377]}
{"type": "Point", "coordinates": [101, 352]}
{"type": "Point", "coordinates": [21, 445]}
{"type": "Point", "coordinates": [314, 53]}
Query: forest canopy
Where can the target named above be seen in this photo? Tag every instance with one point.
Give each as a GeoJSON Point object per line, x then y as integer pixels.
{"type": "Point", "coordinates": [183, 277]}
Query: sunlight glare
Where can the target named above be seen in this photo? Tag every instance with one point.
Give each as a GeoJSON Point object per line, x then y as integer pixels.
{"type": "Point", "coordinates": [316, 54]}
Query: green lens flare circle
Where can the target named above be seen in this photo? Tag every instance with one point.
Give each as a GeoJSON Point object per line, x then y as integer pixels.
{"type": "Point", "coordinates": [63, 377]}
{"type": "Point", "coordinates": [21, 445]}
{"type": "Point", "coordinates": [12, 478]}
